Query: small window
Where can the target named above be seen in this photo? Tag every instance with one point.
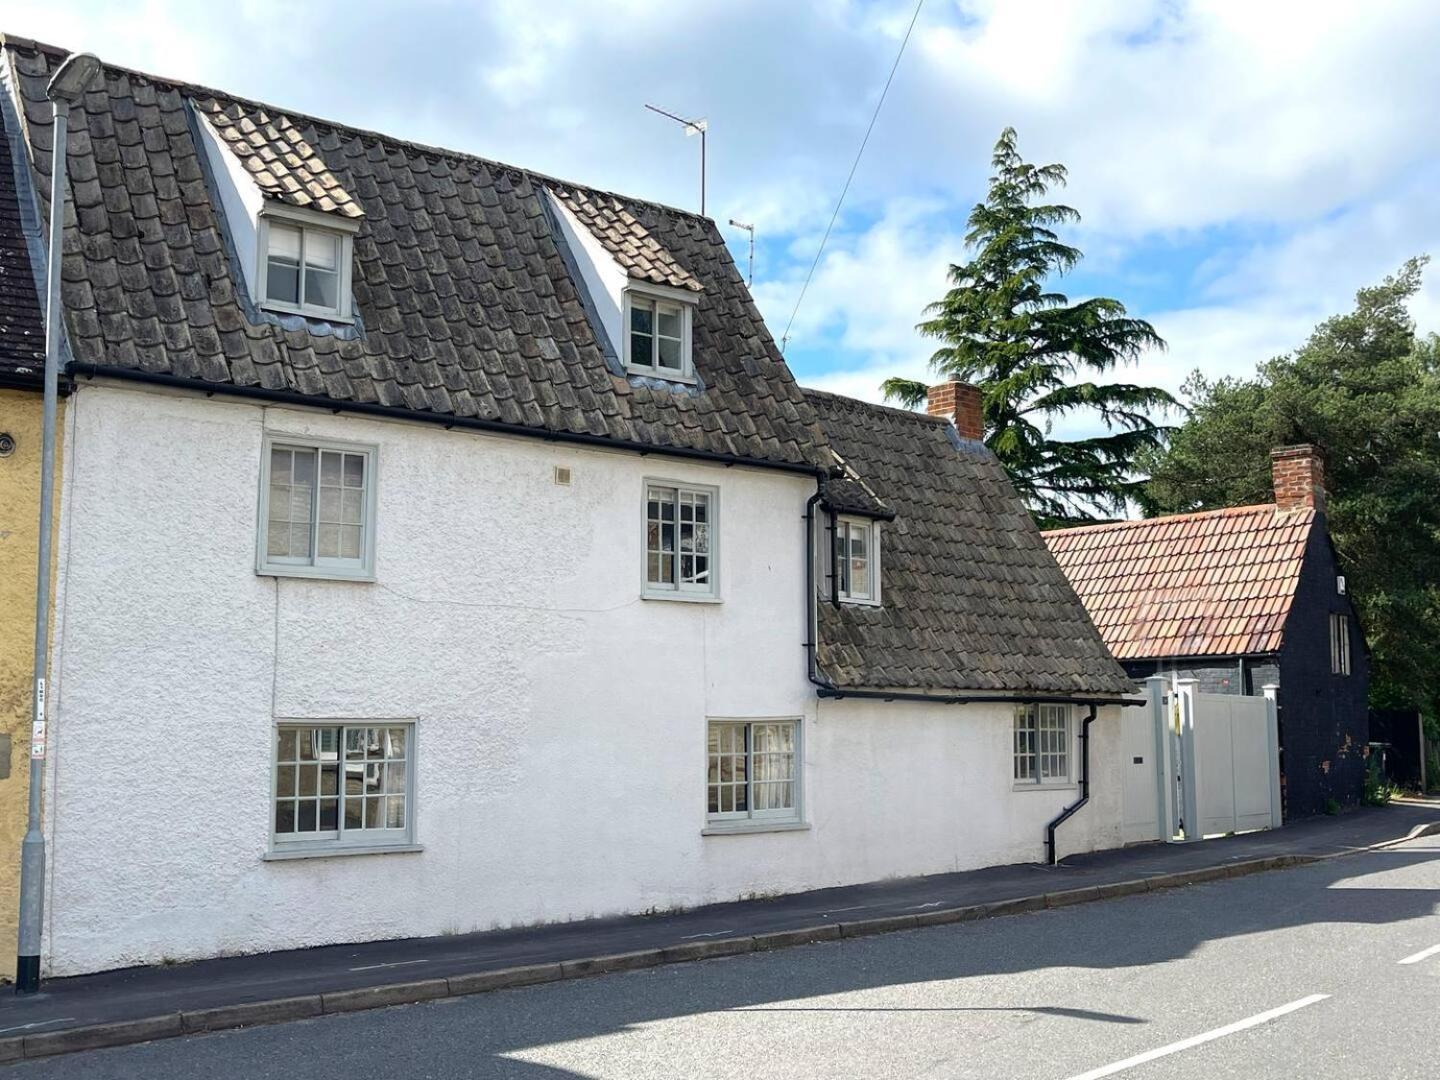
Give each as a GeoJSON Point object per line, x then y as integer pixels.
{"type": "Point", "coordinates": [857, 559]}
{"type": "Point", "coordinates": [1042, 744]}
{"type": "Point", "coordinates": [343, 785]}
{"type": "Point", "coordinates": [1339, 645]}
{"type": "Point", "coordinates": [657, 336]}
{"type": "Point", "coordinates": [306, 269]}
{"type": "Point", "coordinates": [317, 510]}
{"type": "Point", "coordinates": [753, 771]}
{"type": "Point", "coordinates": [680, 540]}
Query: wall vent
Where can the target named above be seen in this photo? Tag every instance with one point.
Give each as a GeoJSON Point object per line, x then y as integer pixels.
{"type": "Point", "coordinates": [562, 475]}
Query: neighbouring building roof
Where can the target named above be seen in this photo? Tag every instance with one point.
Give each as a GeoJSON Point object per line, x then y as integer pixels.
{"type": "Point", "coordinates": [466, 306]}
{"type": "Point", "coordinates": [22, 326]}
{"type": "Point", "coordinates": [1217, 583]}
{"type": "Point", "coordinates": [972, 599]}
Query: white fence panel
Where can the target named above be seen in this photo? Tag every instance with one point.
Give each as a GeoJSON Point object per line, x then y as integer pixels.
{"type": "Point", "coordinates": [1233, 772]}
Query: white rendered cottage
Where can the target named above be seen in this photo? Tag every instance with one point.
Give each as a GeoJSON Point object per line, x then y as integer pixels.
{"type": "Point", "coordinates": [443, 547]}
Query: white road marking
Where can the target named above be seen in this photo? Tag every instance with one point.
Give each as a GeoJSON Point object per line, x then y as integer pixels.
{"type": "Point", "coordinates": [1423, 954]}
{"type": "Point", "coordinates": [837, 910]}
{"type": "Point", "coordinates": [932, 903]}
{"type": "Point", "coordinates": [397, 963]}
{"type": "Point", "coordinates": [708, 933]}
{"type": "Point", "coordinates": [37, 1023]}
{"type": "Point", "coordinates": [1197, 1040]}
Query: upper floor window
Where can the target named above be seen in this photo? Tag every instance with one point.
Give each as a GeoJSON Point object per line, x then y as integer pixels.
{"type": "Point", "coordinates": [1042, 744]}
{"type": "Point", "coordinates": [857, 559]}
{"type": "Point", "coordinates": [657, 337]}
{"type": "Point", "coordinates": [1339, 644]}
{"type": "Point", "coordinates": [680, 540]}
{"type": "Point", "coordinates": [317, 509]}
{"type": "Point", "coordinates": [304, 268]}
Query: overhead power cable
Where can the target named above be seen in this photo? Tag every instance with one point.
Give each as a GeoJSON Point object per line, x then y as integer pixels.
{"type": "Point", "coordinates": [785, 337]}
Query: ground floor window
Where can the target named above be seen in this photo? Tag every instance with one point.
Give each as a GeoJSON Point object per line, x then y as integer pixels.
{"type": "Point", "coordinates": [1042, 744]}
{"type": "Point", "coordinates": [343, 784]}
{"type": "Point", "coordinates": [753, 771]}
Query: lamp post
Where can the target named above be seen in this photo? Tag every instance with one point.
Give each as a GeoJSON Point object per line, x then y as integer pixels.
{"type": "Point", "coordinates": [692, 127]}
{"type": "Point", "coordinates": [67, 86]}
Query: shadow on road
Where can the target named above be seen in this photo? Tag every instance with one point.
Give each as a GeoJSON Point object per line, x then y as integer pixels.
{"type": "Point", "coordinates": [485, 1031]}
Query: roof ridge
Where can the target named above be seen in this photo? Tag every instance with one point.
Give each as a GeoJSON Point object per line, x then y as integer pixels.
{"type": "Point", "coordinates": [894, 410]}
{"type": "Point", "coordinates": [17, 41]}
{"type": "Point", "coordinates": [1165, 519]}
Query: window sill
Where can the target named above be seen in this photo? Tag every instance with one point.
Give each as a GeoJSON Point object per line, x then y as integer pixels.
{"type": "Point", "coordinates": [340, 852]}
{"type": "Point", "coordinates": [1044, 787]}
{"type": "Point", "coordinates": [662, 376]}
{"type": "Point", "coordinates": [318, 573]}
{"type": "Point", "coordinates": [852, 601]}
{"type": "Point", "coordinates": [684, 598]}
{"type": "Point", "coordinates": [277, 308]}
{"type": "Point", "coordinates": [725, 828]}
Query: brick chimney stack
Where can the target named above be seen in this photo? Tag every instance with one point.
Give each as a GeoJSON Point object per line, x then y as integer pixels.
{"type": "Point", "coordinates": [1299, 474]}
{"type": "Point", "coordinates": [958, 402]}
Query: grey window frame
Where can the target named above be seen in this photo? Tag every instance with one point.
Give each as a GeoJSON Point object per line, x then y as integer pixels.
{"type": "Point", "coordinates": [1037, 780]}
{"type": "Point", "coordinates": [677, 591]}
{"type": "Point", "coordinates": [362, 569]}
{"type": "Point", "coordinates": [786, 818]}
{"type": "Point", "coordinates": [872, 531]}
{"type": "Point", "coordinates": [358, 842]}
{"type": "Point", "coordinates": [342, 230]}
{"type": "Point", "coordinates": [657, 295]}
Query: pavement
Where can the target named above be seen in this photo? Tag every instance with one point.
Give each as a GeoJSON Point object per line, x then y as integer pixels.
{"type": "Point", "coordinates": [1328, 969]}
{"type": "Point", "coordinates": [136, 1004]}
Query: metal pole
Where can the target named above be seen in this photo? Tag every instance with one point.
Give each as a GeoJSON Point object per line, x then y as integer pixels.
{"type": "Point", "coordinates": [32, 849]}
{"type": "Point", "coordinates": [702, 172]}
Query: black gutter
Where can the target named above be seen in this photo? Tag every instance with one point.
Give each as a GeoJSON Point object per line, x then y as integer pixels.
{"type": "Point", "coordinates": [1069, 811]}
{"type": "Point", "coordinates": [976, 699]}
{"type": "Point", "coordinates": [812, 606]}
{"type": "Point", "coordinates": [465, 423]}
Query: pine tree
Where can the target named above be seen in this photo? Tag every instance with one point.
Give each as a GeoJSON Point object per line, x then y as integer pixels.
{"type": "Point", "coordinates": [1027, 347]}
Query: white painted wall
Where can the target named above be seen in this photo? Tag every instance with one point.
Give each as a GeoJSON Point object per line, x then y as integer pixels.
{"type": "Point", "coordinates": [604, 278]}
{"type": "Point", "coordinates": [560, 719]}
{"type": "Point", "coordinates": [240, 197]}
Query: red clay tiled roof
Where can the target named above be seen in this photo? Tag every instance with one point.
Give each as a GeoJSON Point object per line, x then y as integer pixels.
{"type": "Point", "coordinates": [1218, 583]}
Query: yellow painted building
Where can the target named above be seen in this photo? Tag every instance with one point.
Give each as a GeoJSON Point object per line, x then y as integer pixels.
{"type": "Point", "coordinates": [19, 519]}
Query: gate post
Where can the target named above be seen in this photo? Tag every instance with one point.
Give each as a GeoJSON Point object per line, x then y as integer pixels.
{"type": "Point", "coordinates": [1189, 759]}
{"type": "Point", "coordinates": [1164, 756]}
{"type": "Point", "coordinates": [1272, 747]}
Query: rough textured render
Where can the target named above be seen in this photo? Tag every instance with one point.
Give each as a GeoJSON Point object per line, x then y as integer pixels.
{"type": "Point", "coordinates": [278, 158]}
{"type": "Point", "coordinates": [1218, 583]}
{"type": "Point", "coordinates": [22, 327]}
{"type": "Point", "coordinates": [972, 599]}
{"type": "Point", "coordinates": [466, 306]}
{"type": "Point", "coordinates": [626, 238]}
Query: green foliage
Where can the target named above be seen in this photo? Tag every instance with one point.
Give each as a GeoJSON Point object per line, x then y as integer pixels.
{"type": "Point", "coordinates": [1332, 807]}
{"type": "Point", "coordinates": [1366, 390]}
{"type": "Point", "coordinates": [1377, 790]}
{"type": "Point", "coordinates": [1026, 345]}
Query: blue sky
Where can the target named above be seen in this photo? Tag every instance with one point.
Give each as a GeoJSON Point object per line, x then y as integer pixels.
{"type": "Point", "coordinates": [1242, 167]}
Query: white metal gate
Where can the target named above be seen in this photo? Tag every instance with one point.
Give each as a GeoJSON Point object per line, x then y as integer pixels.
{"type": "Point", "coordinates": [1199, 765]}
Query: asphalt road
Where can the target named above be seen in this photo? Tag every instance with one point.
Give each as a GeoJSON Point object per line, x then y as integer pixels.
{"type": "Point", "coordinates": [1293, 973]}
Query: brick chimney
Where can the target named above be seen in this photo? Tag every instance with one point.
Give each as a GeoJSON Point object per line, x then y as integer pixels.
{"type": "Point", "coordinates": [1299, 474]}
{"type": "Point", "coordinates": [958, 402]}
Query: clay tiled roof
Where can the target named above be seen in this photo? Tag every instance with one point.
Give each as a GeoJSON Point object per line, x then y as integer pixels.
{"type": "Point", "coordinates": [22, 327]}
{"type": "Point", "coordinates": [625, 237]}
{"type": "Point", "coordinates": [972, 600]}
{"type": "Point", "coordinates": [1218, 583]}
{"type": "Point", "coordinates": [466, 305]}
{"type": "Point", "coordinates": [278, 157]}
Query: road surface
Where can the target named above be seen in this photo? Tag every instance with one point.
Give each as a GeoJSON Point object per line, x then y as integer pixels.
{"type": "Point", "coordinates": [1325, 970]}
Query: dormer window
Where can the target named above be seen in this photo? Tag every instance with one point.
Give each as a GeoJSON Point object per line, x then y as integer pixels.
{"type": "Point", "coordinates": [657, 339]}
{"type": "Point", "coordinates": [304, 267]}
{"type": "Point", "coordinates": [857, 560]}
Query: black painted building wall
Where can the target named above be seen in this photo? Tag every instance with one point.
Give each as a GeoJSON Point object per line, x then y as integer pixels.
{"type": "Point", "coordinates": [1324, 718]}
